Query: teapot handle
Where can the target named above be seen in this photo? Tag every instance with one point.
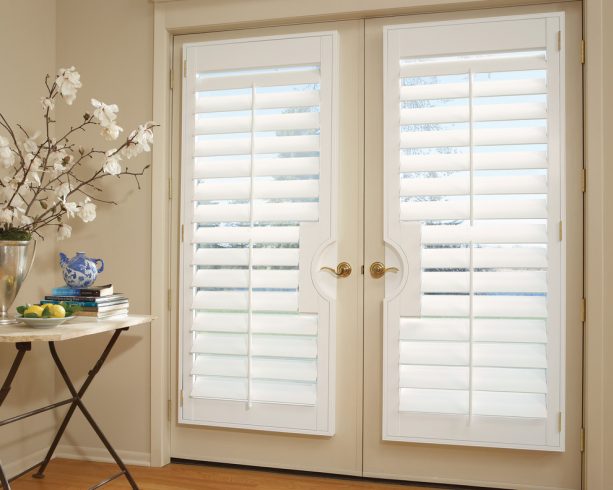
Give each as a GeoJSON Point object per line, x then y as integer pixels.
{"type": "Point", "coordinates": [101, 267]}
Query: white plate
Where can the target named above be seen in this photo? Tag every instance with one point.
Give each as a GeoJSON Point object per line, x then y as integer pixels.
{"type": "Point", "coordinates": [43, 322]}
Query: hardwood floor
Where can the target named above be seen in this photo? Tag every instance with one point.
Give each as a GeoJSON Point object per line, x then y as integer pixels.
{"type": "Point", "coordinates": [77, 475]}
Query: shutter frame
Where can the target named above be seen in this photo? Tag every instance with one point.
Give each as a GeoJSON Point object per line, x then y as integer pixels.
{"type": "Point", "coordinates": [252, 347]}
{"type": "Point", "coordinates": [504, 429]}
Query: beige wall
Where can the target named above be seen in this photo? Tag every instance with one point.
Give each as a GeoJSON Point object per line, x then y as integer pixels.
{"type": "Point", "coordinates": [26, 56]}
{"type": "Point", "coordinates": [110, 43]}
{"type": "Point", "coordinates": [116, 69]}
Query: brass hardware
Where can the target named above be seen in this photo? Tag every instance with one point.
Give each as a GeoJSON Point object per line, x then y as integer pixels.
{"type": "Point", "coordinates": [342, 270]}
{"type": "Point", "coordinates": [559, 40]}
{"type": "Point", "coordinates": [582, 52]}
{"type": "Point", "coordinates": [378, 269]}
{"type": "Point", "coordinates": [583, 180]}
{"type": "Point", "coordinates": [559, 421]}
{"type": "Point", "coordinates": [582, 440]}
{"type": "Point", "coordinates": [583, 309]}
{"type": "Point", "coordinates": [184, 68]}
{"type": "Point", "coordinates": [560, 231]}
{"type": "Point", "coordinates": [169, 299]}
{"type": "Point", "coordinates": [362, 269]}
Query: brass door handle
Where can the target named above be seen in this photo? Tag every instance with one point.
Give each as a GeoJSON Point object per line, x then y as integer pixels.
{"type": "Point", "coordinates": [342, 270]}
{"type": "Point", "coordinates": [378, 269]}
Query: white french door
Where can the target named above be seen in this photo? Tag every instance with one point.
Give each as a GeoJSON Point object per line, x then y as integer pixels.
{"type": "Point", "coordinates": [380, 251]}
{"type": "Point", "coordinates": [473, 201]}
{"type": "Point", "coordinates": [270, 180]}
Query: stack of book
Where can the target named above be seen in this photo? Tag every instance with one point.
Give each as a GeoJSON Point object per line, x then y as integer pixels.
{"type": "Point", "coordinates": [94, 301]}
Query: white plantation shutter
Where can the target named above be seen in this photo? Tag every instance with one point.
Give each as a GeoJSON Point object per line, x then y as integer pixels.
{"type": "Point", "coordinates": [473, 163]}
{"type": "Point", "coordinates": [258, 157]}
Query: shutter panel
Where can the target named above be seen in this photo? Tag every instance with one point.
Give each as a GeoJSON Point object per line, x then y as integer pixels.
{"type": "Point", "coordinates": [472, 159]}
{"type": "Point", "coordinates": [257, 159]}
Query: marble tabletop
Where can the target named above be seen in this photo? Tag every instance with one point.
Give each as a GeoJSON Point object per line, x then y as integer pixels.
{"type": "Point", "coordinates": [72, 329]}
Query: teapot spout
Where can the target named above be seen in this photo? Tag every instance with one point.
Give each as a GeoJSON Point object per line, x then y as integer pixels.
{"type": "Point", "coordinates": [63, 260]}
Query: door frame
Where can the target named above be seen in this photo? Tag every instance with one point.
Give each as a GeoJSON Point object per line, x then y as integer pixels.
{"type": "Point", "coordinates": [173, 17]}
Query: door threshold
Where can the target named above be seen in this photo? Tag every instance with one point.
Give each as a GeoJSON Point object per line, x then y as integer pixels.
{"type": "Point", "coordinates": [333, 476]}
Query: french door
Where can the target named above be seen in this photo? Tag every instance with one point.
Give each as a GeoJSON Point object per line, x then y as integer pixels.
{"type": "Point", "coordinates": [270, 340]}
{"type": "Point", "coordinates": [471, 378]}
{"type": "Point", "coordinates": [380, 253]}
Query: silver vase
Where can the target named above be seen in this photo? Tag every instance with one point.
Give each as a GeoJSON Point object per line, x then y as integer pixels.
{"type": "Point", "coordinates": [16, 258]}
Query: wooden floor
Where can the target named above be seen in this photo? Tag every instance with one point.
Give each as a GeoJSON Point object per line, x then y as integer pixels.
{"type": "Point", "coordinates": [77, 475]}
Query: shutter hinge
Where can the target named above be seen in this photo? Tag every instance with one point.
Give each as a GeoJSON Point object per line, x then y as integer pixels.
{"type": "Point", "coordinates": [583, 179]}
{"type": "Point", "coordinates": [181, 398]}
{"type": "Point", "coordinates": [362, 269]}
{"type": "Point", "coordinates": [170, 188]}
{"type": "Point", "coordinates": [582, 52]}
{"type": "Point", "coordinates": [182, 233]}
{"type": "Point", "coordinates": [169, 409]}
{"type": "Point", "coordinates": [185, 68]}
{"type": "Point", "coordinates": [561, 231]}
{"type": "Point", "coordinates": [171, 77]}
{"type": "Point", "coordinates": [169, 299]}
{"type": "Point", "coordinates": [583, 309]}
{"type": "Point", "coordinates": [559, 40]}
{"type": "Point", "coordinates": [582, 440]}
{"type": "Point", "coordinates": [559, 421]}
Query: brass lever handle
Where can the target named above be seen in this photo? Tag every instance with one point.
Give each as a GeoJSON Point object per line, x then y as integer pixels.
{"type": "Point", "coordinates": [342, 270]}
{"type": "Point", "coordinates": [378, 269]}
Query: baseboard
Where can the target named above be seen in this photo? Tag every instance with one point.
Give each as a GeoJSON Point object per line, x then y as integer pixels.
{"type": "Point", "coordinates": [14, 468]}
{"type": "Point", "coordinates": [101, 455]}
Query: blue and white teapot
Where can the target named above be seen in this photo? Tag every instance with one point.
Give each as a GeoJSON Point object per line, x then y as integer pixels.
{"type": "Point", "coordinates": [80, 271]}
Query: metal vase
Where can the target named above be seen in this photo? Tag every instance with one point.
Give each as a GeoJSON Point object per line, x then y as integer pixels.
{"type": "Point", "coordinates": [16, 258]}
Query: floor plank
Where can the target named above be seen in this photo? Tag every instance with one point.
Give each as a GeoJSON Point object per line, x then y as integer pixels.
{"type": "Point", "coordinates": [77, 475]}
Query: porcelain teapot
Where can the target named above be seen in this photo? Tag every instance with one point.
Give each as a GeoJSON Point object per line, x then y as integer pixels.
{"type": "Point", "coordinates": [80, 271]}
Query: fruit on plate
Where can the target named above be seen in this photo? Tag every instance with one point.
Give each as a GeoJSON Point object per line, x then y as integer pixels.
{"type": "Point", "coordinates": [47, 310]}
{"type": "Point", "coordinates": [57, 311]}
{"type": "Point", "coordinates": [33, 311]}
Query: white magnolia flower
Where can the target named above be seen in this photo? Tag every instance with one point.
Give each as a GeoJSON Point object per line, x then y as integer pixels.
{"type": "Point", "coordinates": [21, 219]}
{"type": "Point", "coordinates": [112, 165]}
{"type": "Point", "coordinates": [34, 171]}
{"type": "Point", "coordinates": [58, 160]}
{"type": "Point", "coordinates": [88, 210]}
{"type": "Point", "coordinates": [64, 231]}
{"type": "Point", "coordinates": [111, 132]}
{"type": "Point", "coordinates": [141, 139]}
{"type": "Point", "coordinates": [71, 208]}
{"type": "Point", "coordinates": [63, 190]}
{"type": "Point", "coordinates": [68, 81]}
{"type": "Point", "coordinates": [6, 216]}
{"type": "Point", "coordinates": [7, 157]}
{"type": "Point", "coordinates": [105, 114]}
{"type": "Point", "coordinates": [30, 145]}
{"type": "Point", "coordinates": [47, 103]}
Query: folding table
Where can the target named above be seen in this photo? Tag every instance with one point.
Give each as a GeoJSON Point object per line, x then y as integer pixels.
{"type": "Point", "coordinates": [23, 336]}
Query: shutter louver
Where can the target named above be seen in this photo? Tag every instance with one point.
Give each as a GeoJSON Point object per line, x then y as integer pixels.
{"type": "Point", "coordinates": [477, 169]}
{"type": "Point", "coordinates": [257, 150]}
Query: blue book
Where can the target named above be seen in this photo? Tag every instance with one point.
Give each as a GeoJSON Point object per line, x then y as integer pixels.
{"type": "Point", "coordinates": [75, 303]}
{"type": "Point", "coordinates": [91, 300]}
{"type": "Point", "coordinates": [93, 291]}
